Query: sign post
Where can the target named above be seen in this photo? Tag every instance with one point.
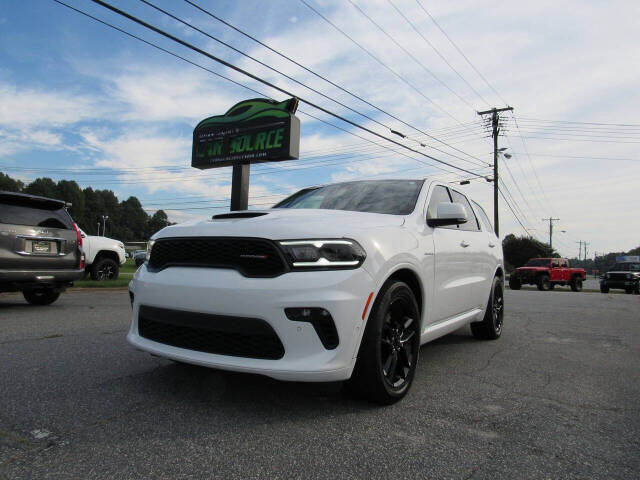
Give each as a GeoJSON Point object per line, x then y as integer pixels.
{"type": "Point", "coordinates": [252, 131]}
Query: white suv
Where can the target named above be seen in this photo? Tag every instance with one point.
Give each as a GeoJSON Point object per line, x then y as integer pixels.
{"type": "Point", "coordinates": [338, 282]}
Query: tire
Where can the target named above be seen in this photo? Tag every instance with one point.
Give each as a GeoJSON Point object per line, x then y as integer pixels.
{"type": "Point", "coordinates": [576, 284]}
{"type": "Point", "coordinates": [390, 347]}
{"type": "Point", "coordinates": [628, 290]}
{"type": "Point", "coordinates": [604, 289]}
{"type": "Point", "coordinates": [637, 289]}
{"type": "Point", "coordinates": [41, 297]}
{"type": "Point", "coordinates": [490, 328]}
{"type": "Point", "coordinates": [544, 284]}
{"type": "Point", "coordinates": [514, 283]}
{"type": "Point", "coordinates": [105, 269]}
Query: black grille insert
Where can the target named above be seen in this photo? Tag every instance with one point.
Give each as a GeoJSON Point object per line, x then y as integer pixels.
{"type": "Point", "coordinates": [223, 335]}
{"type": "Point", "coordinates": [252, 257]}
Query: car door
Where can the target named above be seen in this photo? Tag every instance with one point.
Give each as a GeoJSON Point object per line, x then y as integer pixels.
{"type": "Point", "coordinates": [476, 252]}
{"type": "Point", "coordinates": [453, 284]}
{"type": "Point", "coordinates": [491, 258]}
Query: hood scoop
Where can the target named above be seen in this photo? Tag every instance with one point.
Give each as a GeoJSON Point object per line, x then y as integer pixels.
{"type": "Point", "coordinates": [226, 216]}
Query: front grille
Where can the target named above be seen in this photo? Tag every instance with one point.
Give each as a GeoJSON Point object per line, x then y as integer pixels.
{"type": "Point", "coordinates": [223, 335]}
{"type": "Point", "coordinates": [252, 257]}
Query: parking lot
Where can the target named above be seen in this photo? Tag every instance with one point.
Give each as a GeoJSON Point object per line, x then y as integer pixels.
{"type": "Point", "coordinates": [556, 397]}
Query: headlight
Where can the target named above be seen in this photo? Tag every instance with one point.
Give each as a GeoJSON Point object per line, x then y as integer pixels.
{"type": "Point", "coordinates": [149, 247]}
{"type": "Point", "coordinates": [606, 275]}
{"type": "Point", "coordinates": [323, 254]}
{"type": "Point", "coordinates": [629, 275]}
{"type": "Point", "coordinates": [121, 246]}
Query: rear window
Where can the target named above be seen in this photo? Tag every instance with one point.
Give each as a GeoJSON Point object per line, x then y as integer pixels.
{"type": "Point", "coordinates": [13, 214]}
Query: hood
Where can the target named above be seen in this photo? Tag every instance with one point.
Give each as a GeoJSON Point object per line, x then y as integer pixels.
{"type": "Point", "coordinates": [534, 269]}
{"type": "Point", "coordinates": [282, 223]}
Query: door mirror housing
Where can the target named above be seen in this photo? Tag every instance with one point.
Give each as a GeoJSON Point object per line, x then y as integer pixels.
{"type": "Point", "coordinates": [448, 214]}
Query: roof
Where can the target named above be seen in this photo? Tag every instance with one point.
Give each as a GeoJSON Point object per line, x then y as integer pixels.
{"type": "Point", "coordinates": [32, 200]}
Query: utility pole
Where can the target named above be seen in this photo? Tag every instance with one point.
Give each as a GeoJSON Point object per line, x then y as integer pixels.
{"type": "Point", "coordinates": [582, 242]}
{"type": "Point", "coordinates": [550, 220]}
{"type": "Point", "coordinates": [495, 131]}
{"type": "Point", "coordinates": [579, 249]}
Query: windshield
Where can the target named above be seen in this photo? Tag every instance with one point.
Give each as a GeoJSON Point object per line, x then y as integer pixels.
{"type": "Point", "coordinates": [395, 197]}
{"type": "Point", "coordinates": [538, 262]}
{"type": "Point", "coordinates": [626, 267]}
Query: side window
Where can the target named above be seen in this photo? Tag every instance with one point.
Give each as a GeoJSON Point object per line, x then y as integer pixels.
{"type": "Point", "coordinates": [564, 263]}
{"type": "Point", "coordinates": [554, 263]}
{"type": "Point", "coordinates": [472, 224]}
{"type": "Point", "coordinates": [484, 219]}
{"type": "Point", "coordinates": [440, 194]}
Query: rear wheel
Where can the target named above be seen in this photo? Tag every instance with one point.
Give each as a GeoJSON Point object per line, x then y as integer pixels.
{"type": "Point", "coordinates": [105, 269]}
{"type": "Point", "coordinates": [390, 346]}
{"type": "Point", "coordinates": [490, 328]}
{"type": "Point", "coordinates": [576, 284]}
{"type": "Point", "coordinates": [41, 297]}
{"type": "Point", "coordinates": [514, 283]}
{"type": "Point", "coordinates": [544, 283]}
{"type": "Point", "coordinates": [604, 289]}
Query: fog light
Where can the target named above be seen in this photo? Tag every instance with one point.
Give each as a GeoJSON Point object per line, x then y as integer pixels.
{"type": "Point", "coordinates": [321, 320]}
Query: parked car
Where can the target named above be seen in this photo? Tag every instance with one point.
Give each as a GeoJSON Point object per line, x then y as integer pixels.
{"type": "Point", "coordinates": [625, 274]}
{"type": "Point", "coordinates": [139, 256]}
{"type": "Point", "coordinates": [103, 256]}
{"type": "Point", "coordinates": [339, 282]}
{"type": "Point", "coordinates": [546, 273]}
{"type": "Point", "coordinates": [40, 247]}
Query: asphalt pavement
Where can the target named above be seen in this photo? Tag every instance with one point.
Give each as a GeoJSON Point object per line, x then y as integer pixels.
{"type": "Point", "coordinates": [556, 397]}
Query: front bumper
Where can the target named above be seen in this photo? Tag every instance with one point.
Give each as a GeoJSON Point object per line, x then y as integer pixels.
{"type": "Point", "coordinates": [624, 284]}
{"type": "Point", "coordinates": [222, 292]}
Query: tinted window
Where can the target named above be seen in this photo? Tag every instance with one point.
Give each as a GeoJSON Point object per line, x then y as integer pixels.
{"type": "Point", "coordinates": [472, 222]}
{"type": "Point", "coordinates": [538, 262]}
{"type": "Point", "coordinates": [36, 217]}
{"type": "Point", "coordinates": [395, 197]}
{"type": "Point", "coordinates": [440, 194]}
{"type": "Point", "coordinates": [482, 215]}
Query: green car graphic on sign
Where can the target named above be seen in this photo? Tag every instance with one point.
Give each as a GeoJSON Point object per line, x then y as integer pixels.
{"type": "Point", "coordinates": [252, 131]}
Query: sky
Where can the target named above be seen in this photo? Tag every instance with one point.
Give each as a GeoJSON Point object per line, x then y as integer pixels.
{"type": "Point", "coordinates": [84, 102]}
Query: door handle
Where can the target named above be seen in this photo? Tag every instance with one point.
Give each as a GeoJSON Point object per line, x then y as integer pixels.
{"type": "Point", "coordinates": [492, 244]}
{"type": "Point", "coordinates": [464, 244]}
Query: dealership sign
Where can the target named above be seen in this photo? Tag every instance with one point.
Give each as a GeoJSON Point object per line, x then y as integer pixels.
{"type": "Point", "coordinates": [252, 131]}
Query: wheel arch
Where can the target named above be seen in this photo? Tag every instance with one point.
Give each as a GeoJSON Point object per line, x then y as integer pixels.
{"type": "Point", "coordinates": [106, 254]}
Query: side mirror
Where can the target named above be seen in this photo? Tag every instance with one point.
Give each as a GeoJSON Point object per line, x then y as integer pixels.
{"type": "Point", "coordinates": [448, 214]}
{"type": "Point", "coordinates": [83, 235]}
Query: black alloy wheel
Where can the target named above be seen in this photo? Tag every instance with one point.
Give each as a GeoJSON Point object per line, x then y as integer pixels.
{"type": "Point", "coordinates": [105, 269]}
{"type": "Point", "coordinates": [390, 346]}
{"type": "Point", "coordinates": [490, 328]}
{"type": "Point", "coordinates": [397, 354]}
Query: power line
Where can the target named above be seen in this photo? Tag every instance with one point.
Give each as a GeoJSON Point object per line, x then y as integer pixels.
{"type": "Point", "coordinates": [461, 53]}
{"type": "Point", "coordinates": [396, 74]}
{"type": "Point", "coordinates": [323, 78]}
{"type": "Point", "coordinates": [437, 51]}
{"type": "Point", "coordinates": [255, 91]}
{"type": "Point", "coordinates": [584, 123]}
{"type": "Point", "coordinates": [409, 54]}
{"type": "Point", "coordinates": [269, 84]}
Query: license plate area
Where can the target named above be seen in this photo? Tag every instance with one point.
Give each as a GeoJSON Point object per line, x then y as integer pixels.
{"type": "Point", "coordinates": [41, 247]}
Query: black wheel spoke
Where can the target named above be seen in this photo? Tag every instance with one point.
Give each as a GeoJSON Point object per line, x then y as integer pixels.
{"type": "Point", "coordinates": [392, 368]}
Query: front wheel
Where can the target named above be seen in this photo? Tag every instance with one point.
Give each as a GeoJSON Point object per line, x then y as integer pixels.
{"type": "Point", "coordinates": [41, 297]}
{"type": "Point", "coordinates": [576, 285]}
{"type": "Point", "coordinates": [604, 289]}
{"type": "Point", "coordinates": [490, 328]}
{"type": "Point", "coordinates": [105, 269]}
{"type": "Point", "coordinates": [390, 346]}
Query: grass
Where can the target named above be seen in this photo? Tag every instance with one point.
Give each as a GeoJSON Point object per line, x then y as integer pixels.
{"type": "Point", "coordinates": [126, 274]}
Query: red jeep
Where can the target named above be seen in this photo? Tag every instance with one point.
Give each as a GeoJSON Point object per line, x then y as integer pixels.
{"type": "Point", "coordinates": [546, 273]}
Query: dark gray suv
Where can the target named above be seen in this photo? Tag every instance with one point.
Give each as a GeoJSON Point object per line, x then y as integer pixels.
{"type": "Point", "coordinates": [40, 247]}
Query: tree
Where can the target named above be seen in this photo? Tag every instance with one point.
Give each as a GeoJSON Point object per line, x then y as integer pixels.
{"type": "Point", "coordinates": [44, 187]}
{"type": "Point", "coordinates": [8, 184]}
{"type": "Point", "coordinates": [518, 250]}
{"type": "Point", "coordinates": [157, 222]}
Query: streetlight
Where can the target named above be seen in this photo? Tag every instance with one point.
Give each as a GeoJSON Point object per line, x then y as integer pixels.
{"type": "Point", "coordinates": [104, 225]}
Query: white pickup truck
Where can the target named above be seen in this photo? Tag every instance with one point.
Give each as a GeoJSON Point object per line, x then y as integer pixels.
{"type": "Point", "coordinates": [103, 256]}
